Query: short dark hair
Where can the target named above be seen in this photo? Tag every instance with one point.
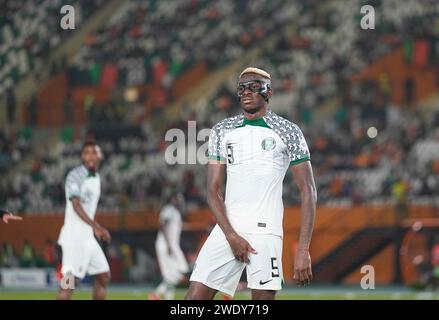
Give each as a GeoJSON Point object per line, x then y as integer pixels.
{"type": "Point", "coordinates": [170, 194]}
{"type": "Point", "coordinates": [87, 143]}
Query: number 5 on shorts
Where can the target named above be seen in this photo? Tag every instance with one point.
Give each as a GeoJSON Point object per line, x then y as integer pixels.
{"type": "Point", "coordinates": [274, 268]}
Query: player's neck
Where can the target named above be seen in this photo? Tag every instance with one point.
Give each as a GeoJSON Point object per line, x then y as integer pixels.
{"type": "Point", "coordinates": [91, 171]}
{"type": "Point", "coordinates": [256, 115]}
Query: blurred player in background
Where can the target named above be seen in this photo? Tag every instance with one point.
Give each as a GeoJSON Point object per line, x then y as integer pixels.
{"type": "Point", "coordinates": [6, 216]}
{"type": "Point", "coordinates": [81, 252]}
{"type": "Point", "coordinates": [172, 262]}
{"type": "Point", "coordinates": [257, 148]}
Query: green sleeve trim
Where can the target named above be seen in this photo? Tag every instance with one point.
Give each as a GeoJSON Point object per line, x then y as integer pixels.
{"type": "Point", "coordinates": [294, 162]}
{"type": "Point", "coordinates": [74, 196]}
{"type": "Point", "coordinates": [219, 158]}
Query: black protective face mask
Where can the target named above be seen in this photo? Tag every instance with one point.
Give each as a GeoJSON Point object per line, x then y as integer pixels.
{"type": "Point", "coordinates": [255, 86]}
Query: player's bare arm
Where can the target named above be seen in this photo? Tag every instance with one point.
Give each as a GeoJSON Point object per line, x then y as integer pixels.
{"type": "Point", "coordinates": [303, 177]}
{"type": "Point", "coordinates": [215, 182]}
{"type": "Point", "coordinates": [99, 231]}
{"type": "Point", "coordinates": [7, 216]}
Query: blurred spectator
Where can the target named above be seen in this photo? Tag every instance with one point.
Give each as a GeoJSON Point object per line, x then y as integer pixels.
{"type": "Point", "coordinates": [50, 253]}
{"type": "Point", "coordinates": [7, 256]}
{"type": "Point", "coordinates": [127, 261]}
{"type": "Point", "coordinates": [27, 256]}
{"type": "Point", "coordinates": [32, 110]}
{"type": "Point", "coordinates": [11, 106]}
{"type": "Point", "coordinates": [399, 191]}
{"type": "Point", "coordinates": [68, 109]}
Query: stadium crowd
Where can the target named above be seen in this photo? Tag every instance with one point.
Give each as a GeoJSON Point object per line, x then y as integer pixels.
{"type": "Point", "coordinates": [156, 41]}
{"type": "Point", "coordinates": [364, 148]}
{"type": "Point", "coordinates": [29, 32]}
{"type": "Point", "coordinates": [14, 145]}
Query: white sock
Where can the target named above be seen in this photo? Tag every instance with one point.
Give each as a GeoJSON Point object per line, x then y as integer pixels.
{"type": "Point", "coordinates": [161, 289]}
{"type": "Point", "coordinates": [170, 292]}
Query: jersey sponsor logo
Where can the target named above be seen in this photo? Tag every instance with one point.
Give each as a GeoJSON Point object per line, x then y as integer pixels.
{"type": "Point", "coordinates": [268, 144]}
{"type": "Point", "coordinates": [262, 225]}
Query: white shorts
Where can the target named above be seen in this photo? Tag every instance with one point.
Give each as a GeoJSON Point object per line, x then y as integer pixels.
{"type": "Point", "coordinates": [84, 258]}
{"type": "Point", "coordinates": [217, 268]}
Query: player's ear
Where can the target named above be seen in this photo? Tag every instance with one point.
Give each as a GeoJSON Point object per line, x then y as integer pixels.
{"type": "Point", "coordinates": [269, 93]}
{"type": "Point", "coordinates": [99, 153]}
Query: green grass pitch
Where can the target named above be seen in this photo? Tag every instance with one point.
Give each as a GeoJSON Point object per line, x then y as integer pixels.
{"type": "Point", "coordinates": [128, 293]}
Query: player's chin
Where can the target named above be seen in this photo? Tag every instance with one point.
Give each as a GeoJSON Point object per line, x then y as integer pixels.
{"type": "Point", "coordinates": [250, 107]}
{"type": "Point", "coordinates": [91, 166]}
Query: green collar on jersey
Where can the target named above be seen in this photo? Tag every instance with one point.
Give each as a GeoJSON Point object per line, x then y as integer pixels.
{"type": "Point", "coordinates": [260, 122]}
{"type": "Point", "coordinates": [89, 172]}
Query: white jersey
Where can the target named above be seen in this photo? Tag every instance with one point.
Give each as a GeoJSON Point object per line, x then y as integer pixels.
{"type": "Point", "coordinates": [86, 186]}
{"type": "Point", "coordinates": [257, 154]}
{"type": "Point", "coordinates": [172, 217]}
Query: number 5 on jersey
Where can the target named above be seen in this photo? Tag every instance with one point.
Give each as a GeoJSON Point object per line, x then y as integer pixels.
{"type": "Point", "coordinates": [230, 158]}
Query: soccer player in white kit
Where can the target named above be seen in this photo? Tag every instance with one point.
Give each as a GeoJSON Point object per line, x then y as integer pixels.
{"type": "Point", "coordinates": [253, 151]}
{"type": "Point", "coordinates": [172, 262]}
{"type": "Point", "coordinates": [81, 253]}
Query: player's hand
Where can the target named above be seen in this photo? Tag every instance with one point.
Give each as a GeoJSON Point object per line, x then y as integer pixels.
{"type": "Point", "coordinates": [240, 247]}
{"type": "Point", "coordinates": [102, 234]}
{"type": "Point", "coordinates": [302, 267]}
{"type": "Point", "coordinates": [7, 217]}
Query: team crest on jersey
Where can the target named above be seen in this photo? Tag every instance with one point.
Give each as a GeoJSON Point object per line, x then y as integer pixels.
{"type": "Point", "coordinates": [268, 144]}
